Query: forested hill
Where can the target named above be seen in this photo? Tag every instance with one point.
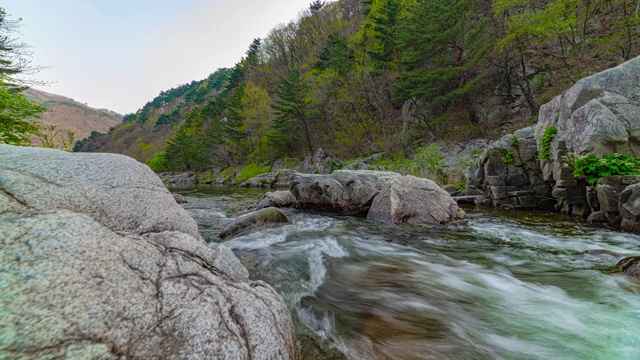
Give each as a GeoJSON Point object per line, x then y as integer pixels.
{"type": "Point", "coordinates": [356, 77]}
{"type": "Point", "coordinates": [146, 132]}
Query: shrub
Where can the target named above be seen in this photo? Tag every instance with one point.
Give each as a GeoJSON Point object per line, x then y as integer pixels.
{"type": "Point", "coordinates": [592, 168]}
{"type": "Point", "coordinates": [507, 156]}
{"type": "Point", "coordinates": [157, 162]}
{"type": "Point", "coordinates": [545, 143]}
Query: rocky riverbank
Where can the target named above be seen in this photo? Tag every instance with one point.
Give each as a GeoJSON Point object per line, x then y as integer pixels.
{"type": "Point", "coordinates": [99, 261]}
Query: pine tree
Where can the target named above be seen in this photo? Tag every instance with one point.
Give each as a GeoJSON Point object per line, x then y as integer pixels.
{"type": "Point", "coordinates": [293, 114]}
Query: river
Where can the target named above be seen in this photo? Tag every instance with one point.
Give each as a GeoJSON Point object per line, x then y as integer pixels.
{"type": "Point", "coordinates": [498, 285]}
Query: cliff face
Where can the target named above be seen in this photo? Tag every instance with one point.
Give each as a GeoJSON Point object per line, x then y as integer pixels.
{"type": "Point", "coordinates": [69, 114]}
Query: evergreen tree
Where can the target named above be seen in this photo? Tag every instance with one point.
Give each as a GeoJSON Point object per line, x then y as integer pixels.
{"type": "Point", "coordinates": [444, 44]}
{"type": "Point", "coordinates": [293, 114]}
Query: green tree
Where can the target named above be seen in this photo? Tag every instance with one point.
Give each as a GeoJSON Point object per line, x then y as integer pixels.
{"type": "Point", "coordinates": [293, 114]}
{"type": "Point", "coordinates": [444, 45]}
{"type": "Point", "coordinates": [15, 108]}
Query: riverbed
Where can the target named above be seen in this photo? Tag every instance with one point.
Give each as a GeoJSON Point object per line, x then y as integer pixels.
{"type": "Point", "coordinates": [497, 285]}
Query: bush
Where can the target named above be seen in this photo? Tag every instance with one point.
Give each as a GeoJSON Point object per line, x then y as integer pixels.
{"type": "Point", "coordinates": [545, 143]}
{"type": "Point", "coordinates": [157, 162]}
{"type": "Point", "coordinates": [592, 168]}
{"type": "Point", "coordinates": [250, 171]}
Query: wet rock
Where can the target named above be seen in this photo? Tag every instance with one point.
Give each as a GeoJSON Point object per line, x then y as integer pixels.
{"type": "Point", "coordinates": [253, 221]}
{"type": "Point", "coordinates": [609, 189]}
{"type": "Point", "coordinates": [413, 200]}
{"type": "Point", "coordinates": [179, 199]}
{"type": "Point", "coordinates": [278, 199]}
{"type": "Point", "coordinates": [598, 217]}
{"type": "Point", "coordinates": [343, 191]}
{"type": "Point", "coordinates": [630, 266]}
{"type": "Point", "coordinates": [178, 179]}
{"type": "Point", "coordinates": [629, 203]}
{"type": "Point", "coordinates": [100, 262]}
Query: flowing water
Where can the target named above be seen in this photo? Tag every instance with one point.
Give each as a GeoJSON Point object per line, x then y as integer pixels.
{"type": "Point", "coordinates": [494, 286]}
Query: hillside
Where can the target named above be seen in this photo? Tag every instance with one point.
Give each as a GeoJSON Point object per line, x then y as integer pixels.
{"type": "Point", "coordinates": [70, 114]}
{"type": "Point", "coordinates": [355, 78]}
{"type": "Point", "coordinates": [146, 131]}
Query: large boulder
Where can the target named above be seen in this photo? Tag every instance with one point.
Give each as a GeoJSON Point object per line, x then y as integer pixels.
{"type": "Point", "coordinates": [99, 261]}
{"type": "Point", "coordinates": [343, 191]}
{"type": "Point", "coordinates": [508, 171]}
{"type": "Point", "coordinates": [179, 179]}
{"type": "Point", "coordinates": [413, 200]}
{"type": "Point", "coordinates": [252, 221]}
{"type": "Point", "coordinates": [598, 115]}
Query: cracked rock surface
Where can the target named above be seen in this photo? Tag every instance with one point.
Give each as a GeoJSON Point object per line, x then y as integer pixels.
{"type": "Point", "coordinates": [98, 261]}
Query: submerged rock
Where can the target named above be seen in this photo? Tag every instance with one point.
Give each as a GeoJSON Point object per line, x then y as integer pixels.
{"type": "Point", "coordinates": [252, 221]}
{"type": "Point", "coordinates": [343, 191]}
{"type": "Point", "coordinates": [99, 261]}
{"type": "Point", "coordinates": [630, 266]}
{"type": "Point", "coordinates": [413, 200]}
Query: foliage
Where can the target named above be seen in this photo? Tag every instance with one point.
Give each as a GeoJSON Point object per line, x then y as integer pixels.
{"type": "Point", "coordinates": [545, 143]}
{"type": "Point", "coordinates": [507, 156]}
{"type": "Point", "coordinates": [592, 168]}
{"type": "Point", "coordinates": [15, 110]}
{"type": "Point", "coordinates": [515, 142]}
{"type": "Point", "coordinates": [158, 162]}
{"type": "Point", "coordinates": [335, 166]}
{"type": "Point", "coordinates": [50, 136]}
{"type": "Point", "coordinates": [250, 171]}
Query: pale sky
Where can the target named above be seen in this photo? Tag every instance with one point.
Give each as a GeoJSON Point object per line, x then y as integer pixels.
{"type": "Point", "coordinates": [119, 54]}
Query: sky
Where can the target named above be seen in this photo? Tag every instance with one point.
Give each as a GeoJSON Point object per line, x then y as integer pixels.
{"type": "Point", "coordinates": [119, 54]}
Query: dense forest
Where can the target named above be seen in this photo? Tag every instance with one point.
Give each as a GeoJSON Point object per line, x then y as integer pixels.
{"type": "Point", "coordinates": [357, 77]}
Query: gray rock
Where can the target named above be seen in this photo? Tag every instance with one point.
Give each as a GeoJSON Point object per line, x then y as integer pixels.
{"type": "Point", "coordinates": [609, 189]}
{"type": "Point", "coordinates": [253, 221]}
{"type": "Point", "coordinates": [413, 200]}
{"type": "Point", "coordinates": [451, 189]}
{"type": "Point", "coordinates": [598, 115]}
{"type": "Point", "coordinates": [630, 266]}
{"type": "Point", "coordinates": [100, 262]}
{"type": "Point", "coordinates": [278, 199]}
{"type": "Point", "coordinates": [281, 178]}
{"type": "Point", "coordinates": [115, 190]}
{"type": "Point", "coordinates": [179, 199]}
{"type": "Point", "coordinates": [629, 202]}
{"type": "Point", "coordinates": [343, 191]}
{"type": "Point", "coordinates": [320, 163]}
{"type": "Point", "coordinates": [598, 217]}
{"type": "Point", "coordinates": [178, 179]}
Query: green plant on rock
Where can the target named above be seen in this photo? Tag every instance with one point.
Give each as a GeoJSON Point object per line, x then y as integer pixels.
{"type": "Point", "coordinates": [507, 156]}
{"type": "Point", "coordinates": [592, 168]}
{"type": "Point", "coordinates": [545, 143]}
{"type": "Point", "coordinates": [335, 166]}
{"type": "Point", "coordinates": [515, 142]}
{"type": "Point", "coordinates": [250, 171]}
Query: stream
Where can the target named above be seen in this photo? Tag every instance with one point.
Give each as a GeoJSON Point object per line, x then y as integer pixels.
{"type": "Point", "coordinates": [497, 285]}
